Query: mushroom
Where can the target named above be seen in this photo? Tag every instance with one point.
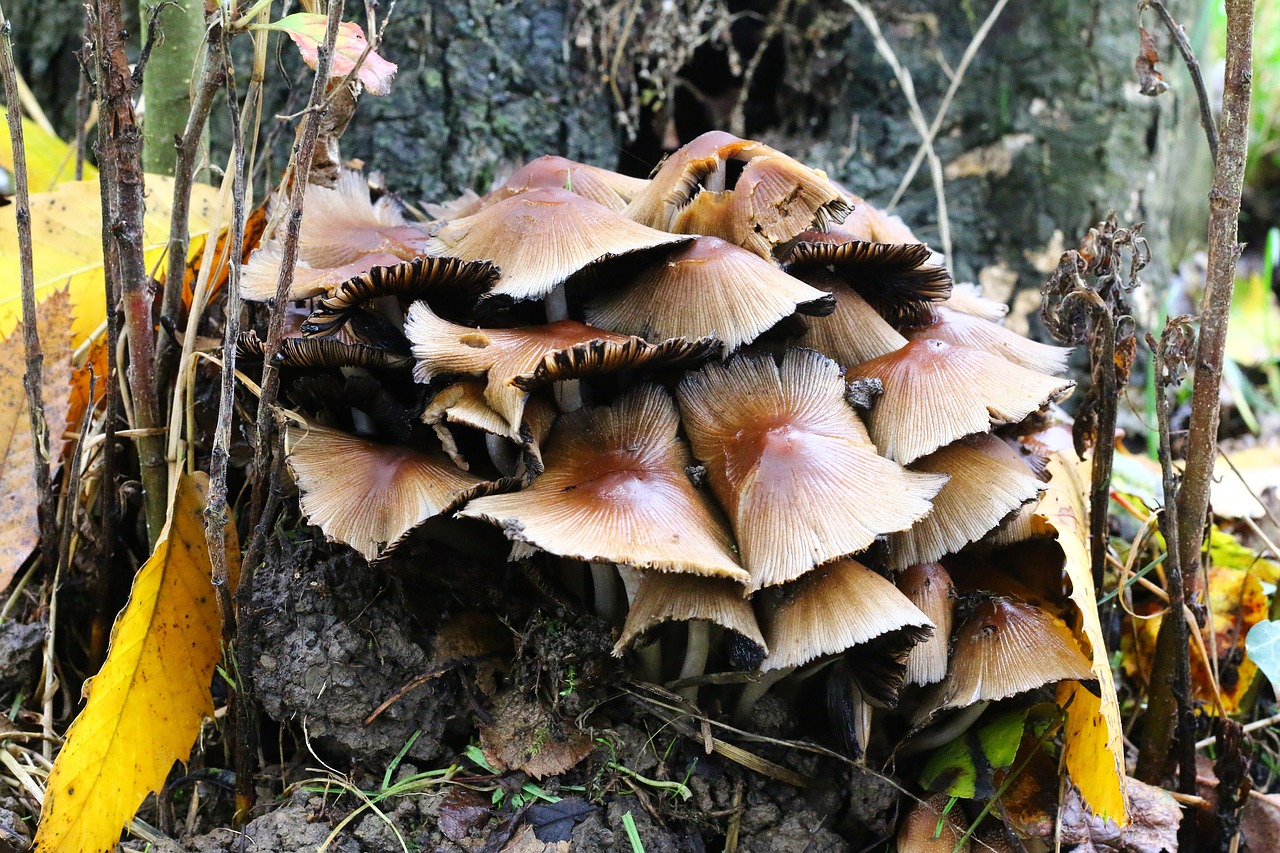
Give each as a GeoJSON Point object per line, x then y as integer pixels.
{"type": "Point", "coordinates": [790, 461]}
{"type": "Point", "coordinates": [259, 277]}
{"type": "Point", "coordinates": [957, 327]}
{"type": "Point", "coordinates": [1002, 648]}
{"type": "Point", "coordinates": [462, 403]}
{"type": "Point", "coordinates": [543, 237]}
{"type": "Point", "coordinates": [930, 827]}
{"type": "Point", "coordinates": [988, 481]}
{"type": "Point", "coordinates": [445, 283]}
{"type": "Point", "coordinates": [833, 608]}
{"type": "Point", "coordinates": [606, 188]}
{"type": "Point", "coordinates": [968, 299]}
{"type": "Point", "coordinates": [936, 392]}
{"type": "Point", "coordinates": [836, 607]}
{"type": "Point", "coordinates": [709, 288]}
{"type": "Point", "coordinates": [773, 199]}
{"type": "Point", "coordinates": [518, 360]}
{"type": "Point", "coordinates": [383, 490]}
{"type": "Point", "coordinates": [929, 587]}
{"type": "Point", "coordinates": [321, 353]}
{"type": "Point", "coordinates": [701, 602]}
{"type": "Point", "coordinates": [853, 333]}
{"type": "Point", "coordinates": [343, 224]}
{"type": "Point", "coordinates": [896, 279]}
{"type": "Point", "coordinates": [615, 490]}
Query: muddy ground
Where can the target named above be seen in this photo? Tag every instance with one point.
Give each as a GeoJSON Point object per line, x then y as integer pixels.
{"type": "Point", "coordinates": [516, 673]}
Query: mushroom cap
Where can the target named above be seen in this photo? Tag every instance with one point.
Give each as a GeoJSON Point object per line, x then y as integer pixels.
{"type": "Point", "coordinates": [615, 489]}
{"type": "Point", "coordinates": [682, 598]}
{"type": "Point", "coordinates": [967, 298]}
{"type": "Point", "coordinates": [833, 608]}
{"type": "Point", "coordinates": [342, 224]}
{"type": "Point", "coordinates": [1005, 647]}
{"type": "Point", "coordinates": [463, 403]}
{"type": "Point", "coordinates": [936, 392]}
{"type": "Point", "coordinates": [929, 587]}
{"type": "Point", "coordinates": [366, 494]}
{"type": "Point", "coordinates": [895, 278]}
{"type": "Point", "coordinates": [521, 359]}
{"type": "Point", "coordinates": [609, 189]}
{"type": "Point", "coordinates": [988, 482]}
{"type": "Point", "coordinates": [321, 353]}
{"type": "Point", "coordinates": [957, 327]}
{"type": "Point", "coordinates": [709, 288]}
{"type": "Point", "coordinates": [791, 462]}
{"type": "Point", "coordinates": [258, 277]}
{"type": "Point", "coordinates": [930, 828]}
{"type": "Point", "coordinates": [542, 237]}
{"type": "Point", "coordinates": [442, 282]}
{"type": "Point", "coordinates": [853, 333]}
{"type": "Point", "coordinates": [774, 198]}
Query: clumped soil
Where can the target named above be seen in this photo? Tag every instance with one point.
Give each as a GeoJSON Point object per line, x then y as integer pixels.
{"type": "Point", "coordinates": [497, 659]}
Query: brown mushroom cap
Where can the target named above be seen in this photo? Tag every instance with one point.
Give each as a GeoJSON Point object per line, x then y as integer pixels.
{"type": "Point", "coordinates": [775, 197]}
{"type": "Point", "coordinates": [606, 188]}
{"type": "Point", "coordinates": [542, 237]}
{"type": "Point", "coordinates": [896, 279]}
{"type": "Point", "coordinates": [853, 333]}
{"type": "Point", "coordinates": [957, 327]}
{"type": "Point", "coordinates": [988, 481]}
{"type": "Point", "coordinates": [929, 587]}
{"type": "Point", "coordinates": [709, 288]}
{"type": "Point", "coordinates": [930, 828]}
{"type": "Point", "coordinates": [936, 392]}
{"type": "Point", "coordinates": [369, 495]}
{"type": "Point", "coordinates": [321, 353]}
{"type": "Point", "coordinates": [1005, 647]}
{"type": "Point", "coordinates": [518, 360]}
{"type": "Point", "coordinates": [833, 608]}
{"type": "Point", "coordinates": [968, 299]}
{"type": "Point", "coordinates": [258, 277]}
{"type": "Point", "coordinates": [463, 403]}
{"type": "Point", "coordinates": [341, 225]}
{"type": "Point", "coordinates": [615, 489]}
{"type": "Point", "coordinates": [789, 459]}
{"type": "Point", "coordinates": [440, 281]}
{"type": "Point", "coordinates": [683, 598]}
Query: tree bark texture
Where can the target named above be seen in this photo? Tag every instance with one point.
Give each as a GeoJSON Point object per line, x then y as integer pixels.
{"type": "Point", "coordinates": [1046, 134]}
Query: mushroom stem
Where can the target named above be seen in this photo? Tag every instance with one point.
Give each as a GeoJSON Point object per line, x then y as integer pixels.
{"type": "Point", "coordinates": [501, 453]}
{"type": "Point", "coordinates": [568, 392]}
{"type": "Point", "coordinates": [696, 649]}
{"type": "Point", "coordinates": [944, 732]}
{"type": "Point", "coordinates": [649, 659]}
{"type": "Point", "coordinates": [752, 692]}
{"type": "Point", "coordinates": [604, 585]}
{"type": "Point", "coordinates": [716, 181]}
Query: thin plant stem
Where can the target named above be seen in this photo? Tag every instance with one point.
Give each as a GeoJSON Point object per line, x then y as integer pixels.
{"type": "Point", "coordinates": [189, 149]}
{"type": "Point", "coordinates": [1193, 67]}
{"type": "Point", "coordinates": [1215, 305]}
{"type": "Point", "coordinates": [266, 494]}
{"type": "Point", "coordinates": [120, 140]}
{"type": "Point", "coordinates": [32, 380]}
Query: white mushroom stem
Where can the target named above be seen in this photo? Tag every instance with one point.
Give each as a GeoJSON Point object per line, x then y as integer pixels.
{"type": "Point", "coordinates": [752, 692]}
{"type": "Point", "coordinates": [696, 649]}
{"type": "Point", "coordinates": [502, 453]}
{"type": "Point", "coordinates": [648, 657]}
{"type": "Point", "coordinates": [946, 731]}
{"type": "Point", "coordinates": [604, 585]}
{"type": "Point", "coordinates": [715, 182]}
{"type": "Point", "coordinates": [568, 392]}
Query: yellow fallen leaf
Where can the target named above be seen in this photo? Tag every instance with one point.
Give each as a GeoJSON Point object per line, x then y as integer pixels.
{"type": "Point", "coordinates": [66, 229]}
{"type": "Point", "coordinates": [19, 532]}
{"type": "Point", "coordinates": [146, 704]}
{"type": "Point", "coordinates": [49, 159]}
{"type": "Point", "coordinates": [1093, 749]}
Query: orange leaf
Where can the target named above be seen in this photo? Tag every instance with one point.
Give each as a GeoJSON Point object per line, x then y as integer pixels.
{"type": "Point", "coordinates": [1093, 751]}
{"type": "Point", "coordinates": [308, 32]}
{"type": "Point", "coordinates": [19, 531]}
{"type": "Point", "coordinates": [146, 704]}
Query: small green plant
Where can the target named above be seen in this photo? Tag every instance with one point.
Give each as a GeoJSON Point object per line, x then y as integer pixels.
{"type": "Point", "coordinates": [633, 834]}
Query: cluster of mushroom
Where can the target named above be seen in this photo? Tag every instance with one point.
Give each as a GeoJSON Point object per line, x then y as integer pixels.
{"type": "Point", "coordinates": [736, 387]}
